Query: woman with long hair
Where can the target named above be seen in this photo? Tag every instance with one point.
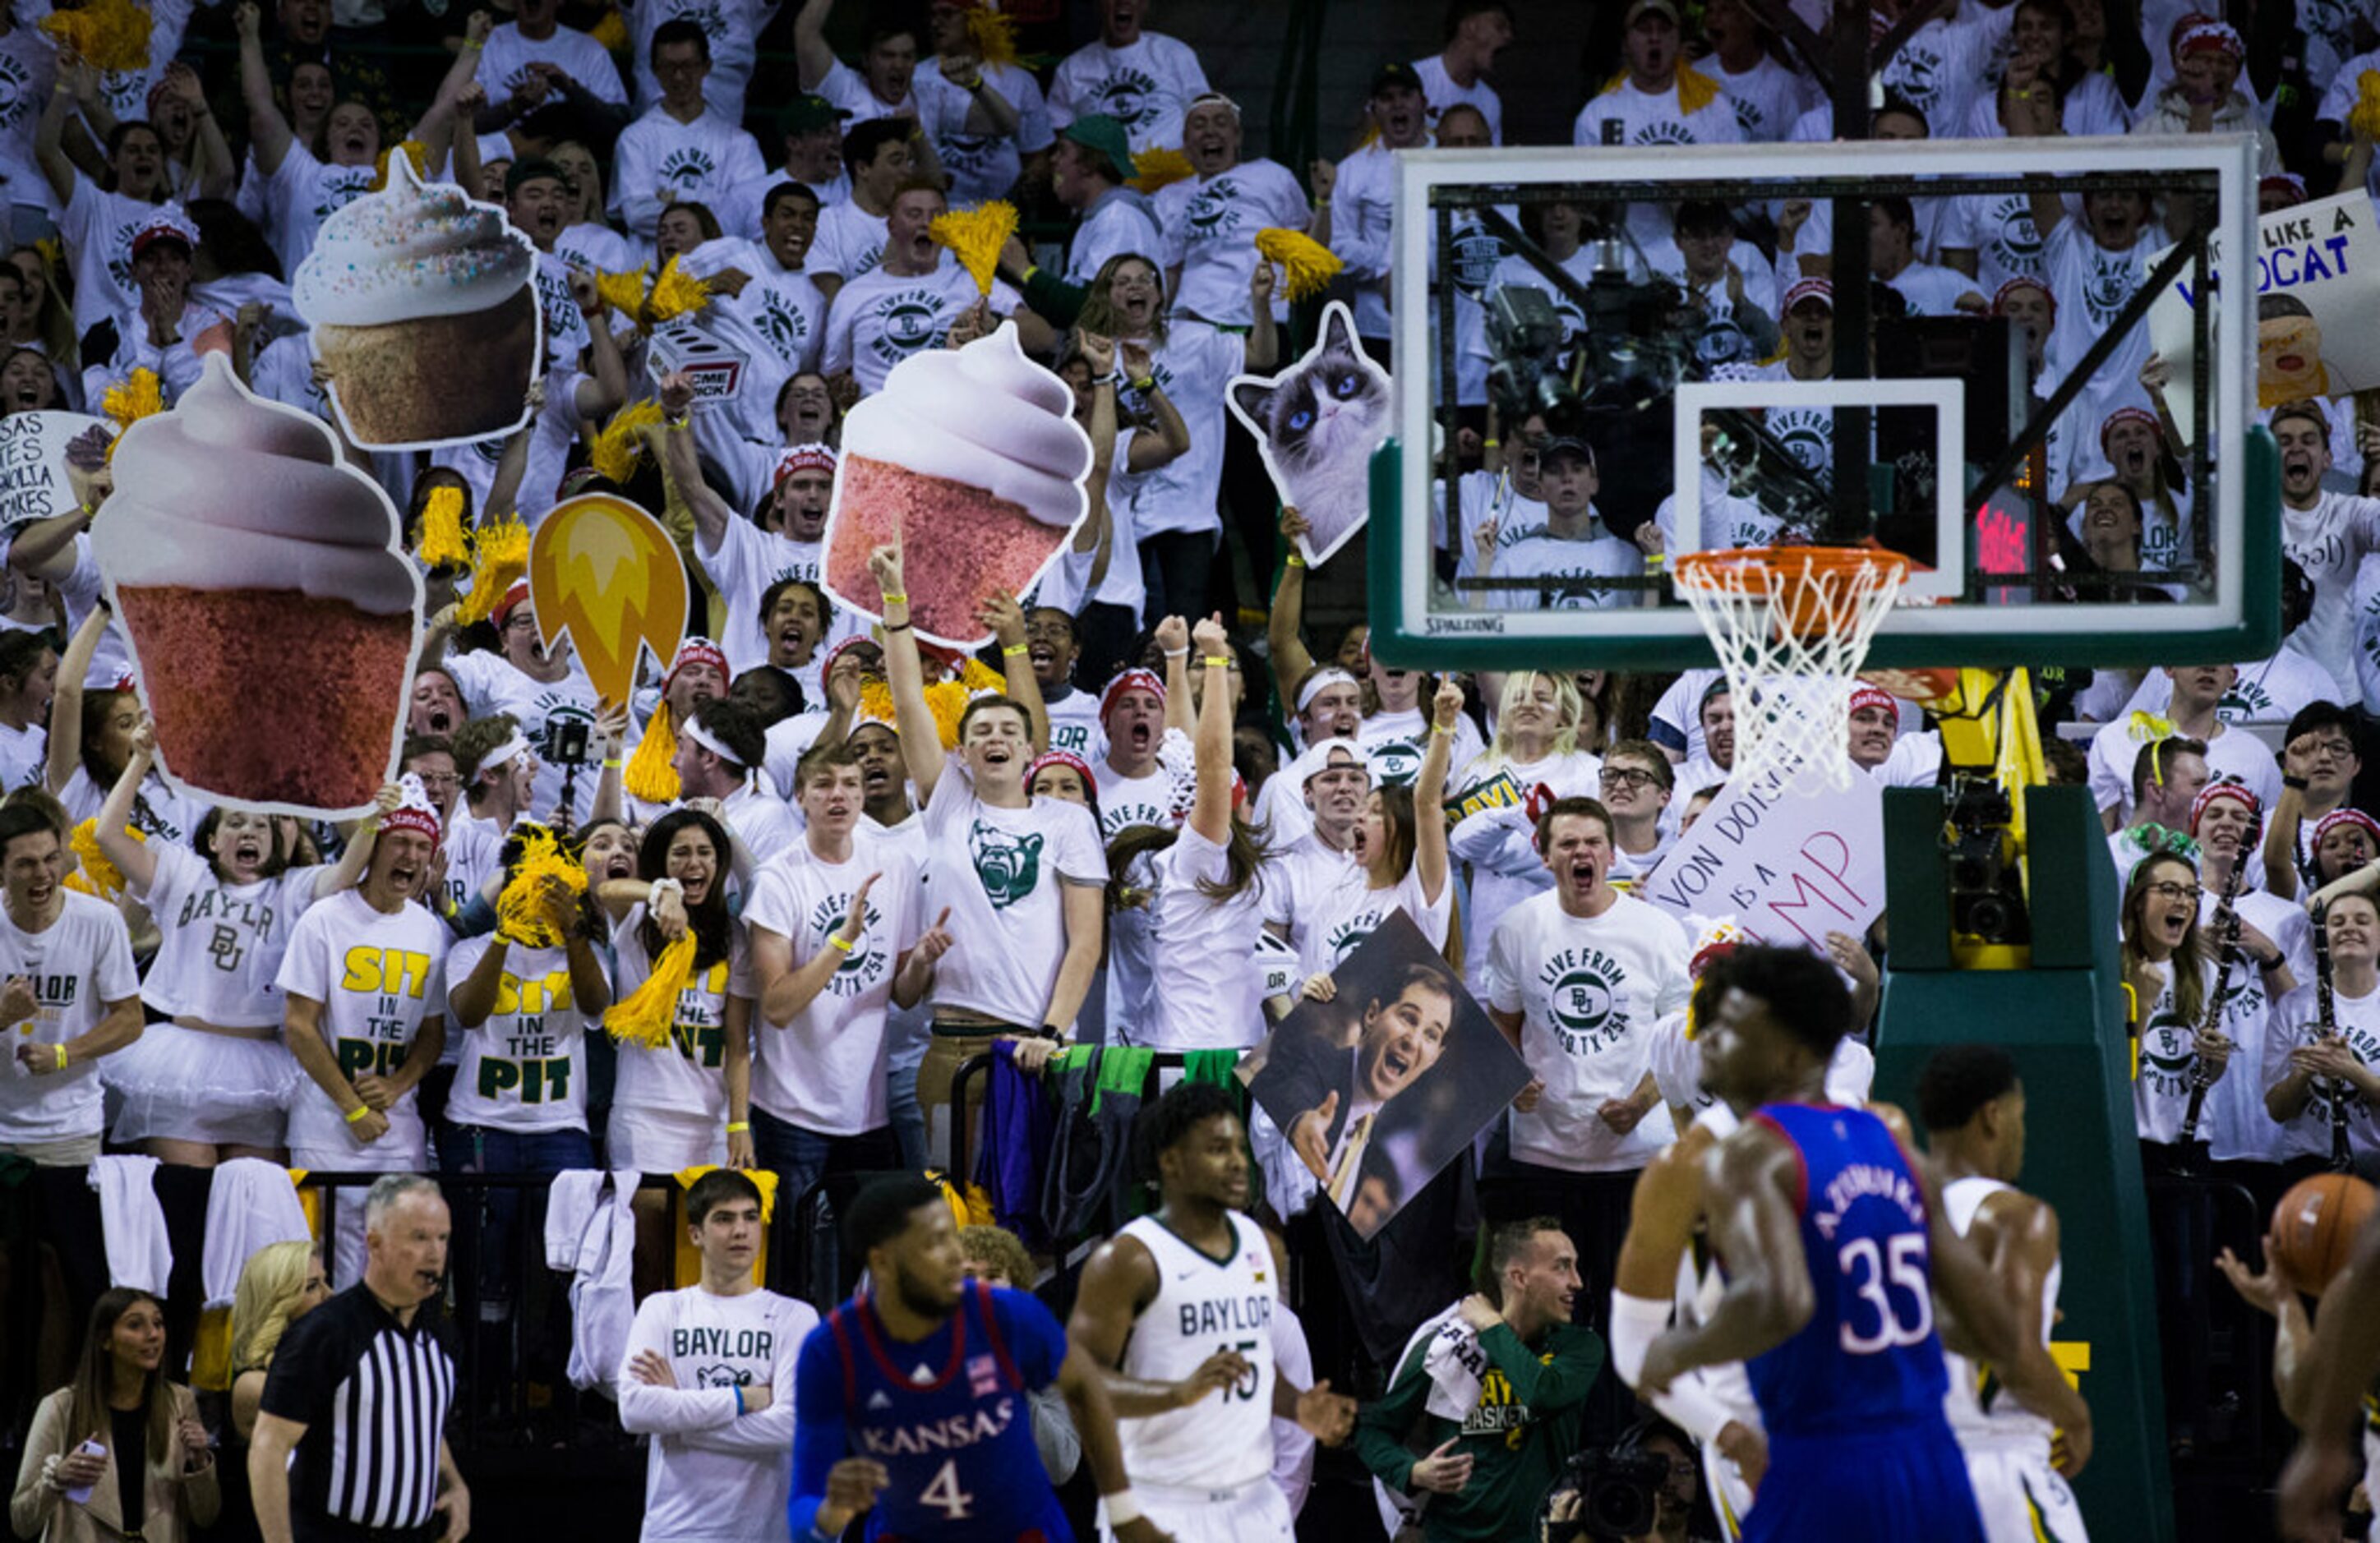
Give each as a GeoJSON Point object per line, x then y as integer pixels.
{"type": "Point", "coordinates": [688, 1101]}
{"type": "Point", "coordinates": [1206, 911]}
{"type": "Point", "coordinates": [52, 327]}
{"type": "Point", "coordinates": [2171, 975]}
{"type": "Point", "coordinates": [118, 1453]}
{"type": "Point", "coordinates": [92, 734]}
{"type": "Point", "coordinates": [1535, 748]}
{"type": "Point", "coordinates": [1400, 843]}
{"type": "Point", "coordinates": [587, 242]}
{"type": "Point", "coordinates": [211, 1081]}
{"type": "Point", "coordinates": [281, 1283]}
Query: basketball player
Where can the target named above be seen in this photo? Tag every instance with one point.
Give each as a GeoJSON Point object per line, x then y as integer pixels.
{"type": "Point", "coordinates": [1179, 1305]}
{"type": "Point", "coordinates": [1973, 1103]}
{"type": "Point", "coordinates": [1834, 1242]}
{"type": "Point", "coordinates": [2332, 1378]}
{"type": "Point", "coordinates": [910, 1400]}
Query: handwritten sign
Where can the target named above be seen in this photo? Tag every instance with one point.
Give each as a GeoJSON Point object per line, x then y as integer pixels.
{"type": "Point", "coordinates": [33, 481]}
{"type": "Point", "coordinates": [1789, 865]}
{"type": "Point", "coordinates": [2318, 292]}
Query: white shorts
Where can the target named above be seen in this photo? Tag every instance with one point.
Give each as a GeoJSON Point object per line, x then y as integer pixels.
{"type": "Point", "coordinates": [2022, 1499]}
{"type": "Point", "coordinates": [1254, 1513]}
{"type": "Point", "coordinates": [656, 1141]}
{"type": "Point", "coordinates": [1729, 1495]}
{"type": "Point", "coordinates": [176, 1084]}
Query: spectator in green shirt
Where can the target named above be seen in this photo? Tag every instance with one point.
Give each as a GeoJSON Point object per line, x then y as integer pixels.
{"type": "Point", "coordinates": [1487, 1400]}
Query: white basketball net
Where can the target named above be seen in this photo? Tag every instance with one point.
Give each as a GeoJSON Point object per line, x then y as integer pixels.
{"type": "Point", "coordinates": [1792, 628]}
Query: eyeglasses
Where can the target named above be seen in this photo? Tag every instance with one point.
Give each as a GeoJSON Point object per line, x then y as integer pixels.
{"type": "Point", "coordinates": [1134, 281]}
{"type": "Point", "coordinates": [2166, 889]}
{"type": "Point", "coordinates": [1627, 776]}
{"type": "Point", "coordinates": [2336, 750]}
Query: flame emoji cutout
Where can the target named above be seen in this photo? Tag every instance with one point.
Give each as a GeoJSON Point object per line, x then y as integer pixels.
{"type": "Point", "coordinates": [606, 572]}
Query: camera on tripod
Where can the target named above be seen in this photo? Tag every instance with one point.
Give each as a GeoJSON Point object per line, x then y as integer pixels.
{"type": "Point", "coordinates": [1986, 892]}
{"type": "Point", "coordinates": [1605, 1492]}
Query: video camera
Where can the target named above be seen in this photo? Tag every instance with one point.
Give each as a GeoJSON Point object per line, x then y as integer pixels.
{"type": "Point", "coordinates": [1605, 1492]}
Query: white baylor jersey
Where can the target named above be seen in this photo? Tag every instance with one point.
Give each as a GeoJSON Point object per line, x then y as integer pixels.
{"type": "Point", "coordinates": [1982, 1412]}
{"type": "Point", "coordinates": [1203, 1304]}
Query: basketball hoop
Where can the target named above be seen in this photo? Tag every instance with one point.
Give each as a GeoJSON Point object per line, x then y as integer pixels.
{"type": "Point", "coordinates": [1791, 624]}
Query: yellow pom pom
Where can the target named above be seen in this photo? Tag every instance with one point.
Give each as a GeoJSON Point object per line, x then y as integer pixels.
{"type": "Point", "coordinates": [443, 542]}
{"type": "Point", "coordinates": [675, 293]}
{"type": "Point", "coordinates": [1306, 266]}
{"type": "Point", "coordinates": [98, 876]}
{"type": "Point", "coordinates": [137, 397]}
{"type": "Point", "coordinates": [623, 292]}
{"type": "Point", "coordinates": [109, 34]}
{"type": "Point", "coordinates": [499, 557]}
{"type": "Point", "coordinates": [975, 236]}
{"type": "Point", "coordinates": [521, 909]}
{"type": "Point", "coordinates": [993, 34]}
{"type": "Point", "coordinates": [414, 152]}
{"type": "Point", "coordinates": [1155, 168]}
{"type": "Point", "coordinates": [614, 454]}
{"type": "Point", "coordinates": [652, 772]}
{"type": "Point", "coordinates": [647, 1016]}
{"type": "Point", "coordinates": [2364, 120]}
{"type": "Point", "coordinates": [612, 31]}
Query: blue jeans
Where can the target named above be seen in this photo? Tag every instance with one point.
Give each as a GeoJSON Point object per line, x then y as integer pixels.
{"type": "Point", "coordinates": [800, 1158]}
{"type": "Point", "coordinates": [488, 1150]}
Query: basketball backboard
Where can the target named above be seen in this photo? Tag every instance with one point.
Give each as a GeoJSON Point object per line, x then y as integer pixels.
{"type": "Point", "coordinates": [1547, 298]}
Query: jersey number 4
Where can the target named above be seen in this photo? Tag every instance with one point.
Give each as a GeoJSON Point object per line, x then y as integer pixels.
{"type": "Point", "coordinates": [942, 1492]}
{"type": "Point", "coordinates": [1873, 1279]}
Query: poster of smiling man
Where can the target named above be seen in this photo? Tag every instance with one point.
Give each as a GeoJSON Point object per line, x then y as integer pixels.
{"type": "Point", "coordinates": [1382, 1084]}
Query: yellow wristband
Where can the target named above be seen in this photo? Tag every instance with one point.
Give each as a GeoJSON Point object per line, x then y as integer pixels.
{"type": "Point", "coordinates": [1294, 560]}
{"type": "Point", "coordinates": [611, 763]}
{"type": "Point", "coordinates": [1028, 273]}
{"type": "Point", "coordinates": [358, 1113]}
{"type": "Point", "coordinates": [1440, 728]}
{"type": "Point", "coordinates": [737, 1127]}
{"type": "Point", "coordinates": [897, 600]}
{"type": "Point", "coordinates": [1491, 443]}
{"type": "Point", "coordinates": [1013, 650]}
{"type": "Point", "coordinates": [62, 1056]}
{"type": "Point", "coordinates": [472, 46]}
{"type": "Point", "coordinates": [840, 942]}
{"type": "Point", "coordinates": [1218, 660]}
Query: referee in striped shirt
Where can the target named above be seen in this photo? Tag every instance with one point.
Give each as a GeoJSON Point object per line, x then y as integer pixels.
{"type": "Point", "coordinates": [359, 1391]}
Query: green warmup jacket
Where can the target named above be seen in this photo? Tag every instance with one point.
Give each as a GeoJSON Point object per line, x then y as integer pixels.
{"type": "Point", "coordinates": [1523, 1427]}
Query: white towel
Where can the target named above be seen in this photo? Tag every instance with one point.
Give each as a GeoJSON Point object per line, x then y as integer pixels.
{"type": "Point", "coordinates": [1455, 1365]}
{"type": "Point", "coordinates": [251, 1206]}
{"type": "Point", "coordinates": [132, 1223]}
{"type": "Point", "coordinates": [590, 1228]}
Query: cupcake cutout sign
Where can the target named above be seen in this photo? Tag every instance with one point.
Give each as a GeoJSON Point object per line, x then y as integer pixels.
{"type": "Point", "coordinates": [423, 314]}
{"type": "Point", "coordinates": [273, 617]}
{"type": "Point", "coordinates": [973, 458]}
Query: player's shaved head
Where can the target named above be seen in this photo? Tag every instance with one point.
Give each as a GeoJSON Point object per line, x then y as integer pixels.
{"type": "Point", "coordinates": [886, 1209]}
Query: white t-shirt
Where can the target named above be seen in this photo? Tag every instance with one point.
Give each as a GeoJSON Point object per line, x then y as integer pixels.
{"type": "Point", "coordinates": [713, 1475]}
{"type": "Point", "coordinates": [1194, 366]}
{"type": "Point", "coordinates": [879, 319]}
{"type": "Point", "coordinates": [2234, 756]}
{"type": "Point", "coordinates": [1947, 65]}
{"type": "Point", "coordinates": [1590, 993]}
{"type": "Point", "coordinates": [98, 227]}
{"type": "Point", "coordinates": [850, 241]}
{"type": "Point", "coordinates": [1210, 226]}
{"type": "Point", "coordinates": [380, 978]}
{"type": "Point", "coordinates": [741, 568]}
{"type": "Point", "coordinates": [1118, 225]}
{"type": "Point", "coordinates": [1075, 725]}
{"type": "Point", "coordinates": [1769, 98]}
{"type": "Point", "coordinates": [849, 89]}
{"type": "Point", "coordinates": [1931, 290]}
{"type": "Point", "coordinates": [1199, 998]}
{"type": "Point", "coordinates": [1545, 555]}
{"type": "Point", "coordinates": [1363, 218]}
{"type": "Point", "coordinates": [981, 166]}
{"type": "Point", "coordinates": [24, 755]}
{"type": "Point", "coordinates": [504, 62]}
{"type": "Point", "coordinates": [490, 685]}
{"type": "Point", "coordinates": [1339, 918]}
{"type": "Point", "coordinates": [698, 162]}
{"type": "Point", "coordinates": [1626, 115]}
{"type": "Point", "coordinates": [825, 1071]}
{"type": "Point", "coordinates": [221, 945]}
{"type": "Point", "coordinates": [158, 813]}
{"type": "Point", "coordinates": [521, 1070]}
{"type": "Point", "coordinates": [2330, 542]}
{"type": "Point", "coordinates": [1439, 90]}
{"type": "Point", "coordinates": [687, 1077]}
{"type": "Point", "coordinates": [1160, 798]}
{"type": "Point", "coordinates": [302, 194]}
{"type": "Point", "coordinates": [77, 965]}
{"type": "Point", "coordinates": [2090, 285]}
{"type": "Point", "coordinates": [1146, 86]}
{"type": "Point", "coordinates": [1002, 872]}
{"type": "Point", "coordinates": [733, 29]}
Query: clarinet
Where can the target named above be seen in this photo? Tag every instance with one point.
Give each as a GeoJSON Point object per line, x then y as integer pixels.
{"type": "Point", "coordinates": [2326, 1011]}
{"type": "Point", "coordinates": [2227, 955]}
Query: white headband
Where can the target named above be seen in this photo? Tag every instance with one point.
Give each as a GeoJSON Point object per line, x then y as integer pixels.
{"type": "Point", "coordinates": [497, 757]}
{"type": "Point", "coordinates": [710, 742]}
{"type": "Point", "coordinates": [1323, 679]}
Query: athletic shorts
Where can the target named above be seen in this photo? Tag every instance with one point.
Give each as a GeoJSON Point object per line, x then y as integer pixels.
{"type": "Point", "coordinates": [1886, 1488]}
{"type": "Point", "coordinates": [1730, 1497]}
{"type": "Point", "coordinates": [2022, 1499]}
{"type": "Point", "coordinates": [1253, 1513]}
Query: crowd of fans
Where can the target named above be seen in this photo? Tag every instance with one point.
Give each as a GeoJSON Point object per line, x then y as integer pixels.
{"type": "Point", "coordinates": [1168, 810]}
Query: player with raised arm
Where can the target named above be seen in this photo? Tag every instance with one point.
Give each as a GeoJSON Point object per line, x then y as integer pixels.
{"type": "Point", "coordinates": [1178, 1306]}
{"type": "Point", "coordinates": [909, 1401]}
{"type": "Point", "coordinates": [2020, 1446]}
{"type": "Point", "coordinates": [1834, 1243]}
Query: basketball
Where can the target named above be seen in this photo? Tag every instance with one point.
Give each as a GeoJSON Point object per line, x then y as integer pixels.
{"type": "Point", "coordinates": [2315, 1226]}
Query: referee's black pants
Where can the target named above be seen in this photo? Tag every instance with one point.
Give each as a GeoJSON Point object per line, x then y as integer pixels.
{"type": "Point", "coordinates": [305, 1529]}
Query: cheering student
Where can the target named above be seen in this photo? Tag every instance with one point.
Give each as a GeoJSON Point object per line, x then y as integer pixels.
{"type": "Point", "coordinates": [838, 939]}
{"type": "Point", "coordinates": [363, 1009]}
{"type": "Point", "coordinates": [708, 1374]}
{"type": "Point", "coordinates": [545, 690]}
{"type": "Point", "coordinates": [91, 741]}
{"type": "Point", "coordinates": [212, 1082]}
{"type": "Point", "coordinates": [153, 1478]}
{"type": "Point", "coordinates": [1536, 748]}
{"type": "Point", "coordinates": [66, 987]}
{"type": "Point", "coordinates": [1024, 876]}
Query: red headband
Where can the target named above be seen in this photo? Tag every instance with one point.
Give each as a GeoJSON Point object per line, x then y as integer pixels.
{"type": "Point", "coordinates": [1132, 680]}
{"type": "Point", "coordinates": [1999, 297]}
{"type": "Point", "coordinates": [2337, 817]}
{"type": "Point", "coordinates": [515, 597]}
{"type": "Point", "coordinates": [1061, 758]}
{"type": "Point", "coordinates": [698, 651]}
{"type": "Point", "coordinates": [2204, 34]}
{"type": "Point", "coordinates": [803, 458]}
{"type": "Point", "coordinates": [2126, 415]}
{"type": "Point", "coordinates": [2215, 793]}
{"type": "Point", "coordinates": [1869, 696]}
